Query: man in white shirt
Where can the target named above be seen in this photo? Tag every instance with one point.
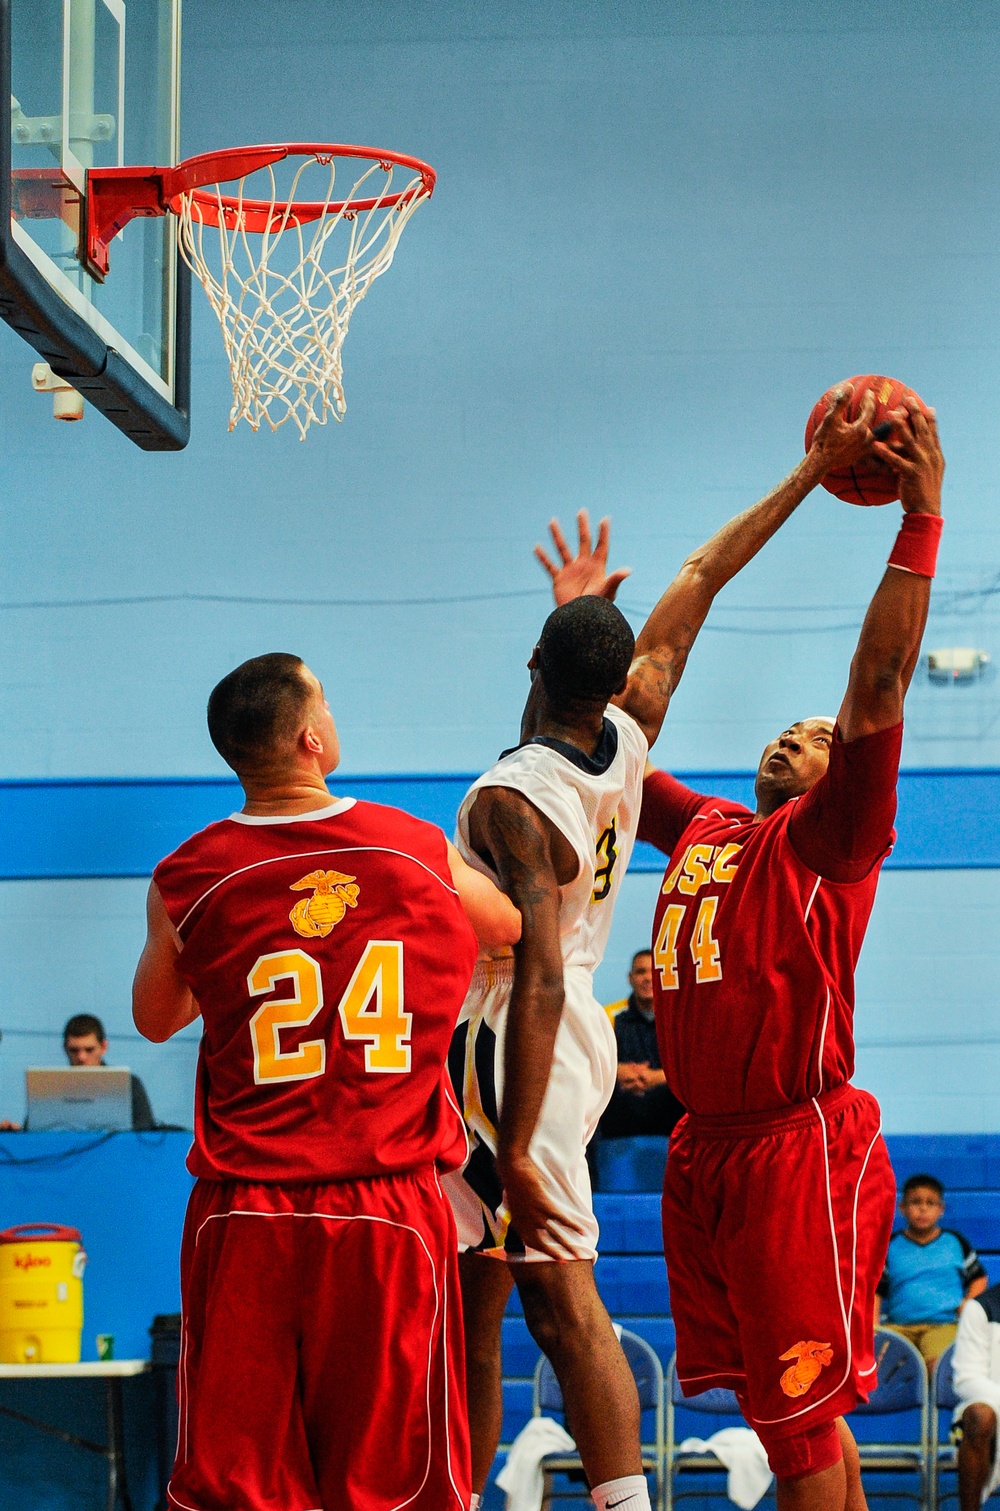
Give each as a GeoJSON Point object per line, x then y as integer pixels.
{"type": "Point", "coordinates": [976, 1372]}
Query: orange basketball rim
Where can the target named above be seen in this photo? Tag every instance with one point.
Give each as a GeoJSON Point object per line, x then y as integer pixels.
{"type": "Point", "coordinates": [284, 259]}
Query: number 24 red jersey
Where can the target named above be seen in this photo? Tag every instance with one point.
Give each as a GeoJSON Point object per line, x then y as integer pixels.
{"type": "Point", "coordinates": [330, 956]}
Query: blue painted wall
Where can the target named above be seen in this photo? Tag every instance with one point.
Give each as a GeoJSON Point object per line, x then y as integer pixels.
{"type": "Point", "coordinates": [75, 856]}
{"type": "Point", "coordinates": [946, 818]}
{"type": "Point", "coordinates": [660, 231]}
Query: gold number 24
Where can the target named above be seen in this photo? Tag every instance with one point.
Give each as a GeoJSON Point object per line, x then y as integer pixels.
{"type": "Point", "coordinates": [371, 1011]}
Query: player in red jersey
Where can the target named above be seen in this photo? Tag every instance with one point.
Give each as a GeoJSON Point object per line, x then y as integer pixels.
{"type": "Point", "coordinates": [535, 1054]}
{"type": "Point", "coordinates": [778, 1199]}
{"type": "Point", "coordinates": [328, 946]}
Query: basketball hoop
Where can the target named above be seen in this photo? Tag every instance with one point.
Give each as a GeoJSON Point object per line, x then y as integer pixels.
{"type": "Point", "coordinates": [284, 269]}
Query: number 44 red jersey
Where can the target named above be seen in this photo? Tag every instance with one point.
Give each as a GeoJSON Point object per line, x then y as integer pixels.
{"type": "Point", "coordinates": [330, 956]}
{"type": "Point", "coordinates": [758, 930]}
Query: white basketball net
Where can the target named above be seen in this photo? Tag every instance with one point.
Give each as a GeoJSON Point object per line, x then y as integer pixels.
{"type": "Point", "coordinates": [284, 296]}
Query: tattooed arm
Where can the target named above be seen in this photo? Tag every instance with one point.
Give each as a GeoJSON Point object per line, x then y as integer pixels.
{"type": "Point", "coordinates": [492, 915]}
{"type": "Point", "coordinates": [531, 858]}
{"type": "Point", "coordinates": [665, 640]}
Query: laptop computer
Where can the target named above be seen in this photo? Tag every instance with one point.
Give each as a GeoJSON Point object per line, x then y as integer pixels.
{"type": "Point", "coordinates": [80, 1098]}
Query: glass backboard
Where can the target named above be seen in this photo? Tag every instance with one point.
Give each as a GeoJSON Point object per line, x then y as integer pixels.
{"type": "Point", "coordinates": [95, 84]}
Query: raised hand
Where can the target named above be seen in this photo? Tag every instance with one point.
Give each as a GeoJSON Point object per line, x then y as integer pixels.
{"type": "Point", "coordinates": [587, 571]}
{"type": "Point", "coordinates": [916, 457]}
{"type": "Point", "coordinates": [839, 442]}
{"type": "Point", "coordinates": [889, 645]}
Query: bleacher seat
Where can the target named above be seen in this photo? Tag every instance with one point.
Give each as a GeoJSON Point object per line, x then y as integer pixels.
{"type": "Point", "coordinates": [630, 1224]}
{"type": "Point", "coordinates": [516, 1406]}
{"type": "Point", "coordinates": [631, 1164]}
{"type": "Point", "coordinates": [629, 1284]}
{"type": "Point", "coordinates": [962, 1162]}
{"type": "Point", "coordinates": [518, 1348]}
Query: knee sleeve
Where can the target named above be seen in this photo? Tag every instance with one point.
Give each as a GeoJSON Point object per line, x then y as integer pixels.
{"type": "Point", "coordinates": [814, 1448]}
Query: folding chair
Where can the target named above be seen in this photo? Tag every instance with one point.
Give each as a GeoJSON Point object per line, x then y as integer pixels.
{"type": "Point", "coordinates": [941, 1455]}
{"type": "Point", "coordinates": [648, 1375]}
{"type": "Point", "coordinates": [902, 1392]}
{"type": "Point", "coordinates": [716, 1403]}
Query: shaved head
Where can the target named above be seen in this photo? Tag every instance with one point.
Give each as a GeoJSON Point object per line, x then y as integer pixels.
{"type": "Point", "coordinates": [259, 714]}
{"type": "Point", "coordinates": [258, 708]}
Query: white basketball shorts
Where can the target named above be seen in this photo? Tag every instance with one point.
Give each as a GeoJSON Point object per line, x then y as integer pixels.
{"type": "Point", "coordinates": [582, 1078]}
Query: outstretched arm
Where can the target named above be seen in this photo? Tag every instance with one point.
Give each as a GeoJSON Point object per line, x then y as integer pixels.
{"type": "Point", "coordinates": [665, 641]}
{"type": "Point", "coordinates": [520, 842]}
{"type": "Point", "coordinates": [843, 826]}
{"type": "Point", "coordinates": [162, 1003]}
{"type": "Point", "coordinates": [887, 652]}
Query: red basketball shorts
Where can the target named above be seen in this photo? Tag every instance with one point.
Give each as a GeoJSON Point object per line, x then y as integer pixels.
{"type": "Point", "coordinates": [322, 1364]}
{"type": "Point", "coordinates": [775, 1229]}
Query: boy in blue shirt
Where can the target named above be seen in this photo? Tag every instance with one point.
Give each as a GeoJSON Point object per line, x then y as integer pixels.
{"type": "Point", "coordinates": [929, 1272]}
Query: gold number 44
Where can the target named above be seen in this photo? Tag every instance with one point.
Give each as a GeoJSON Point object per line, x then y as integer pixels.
{"type": "Point", "coordinates": [371, 1011]}
{"type": "Point", "coordinates": [704, 946]}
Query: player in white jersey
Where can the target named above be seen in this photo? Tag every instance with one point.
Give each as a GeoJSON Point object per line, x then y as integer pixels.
{"type": "Point", "coordinates": [593, 802]}
{"type": "Point", "coordinates": [554, 822]}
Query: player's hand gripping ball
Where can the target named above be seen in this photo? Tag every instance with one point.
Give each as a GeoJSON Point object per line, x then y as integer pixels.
{"type": "Point", "coordinates": [869, 482]}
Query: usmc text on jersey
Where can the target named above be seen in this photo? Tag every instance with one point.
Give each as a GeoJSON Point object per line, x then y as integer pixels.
{"type": "Point", "coordinates": [699, 866]}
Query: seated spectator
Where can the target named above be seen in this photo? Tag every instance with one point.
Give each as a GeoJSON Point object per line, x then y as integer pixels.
{"type": "Point", "coordinates": [929, 1273]}
{"type": "Point", "coordinates": [86, 1043]}
{"type": "Point", "coordinates": [976, 1373]}
{"type": "Point", "coordinates": [642, 1102]}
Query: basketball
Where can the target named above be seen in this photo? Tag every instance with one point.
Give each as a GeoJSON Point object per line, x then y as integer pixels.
{"type": "Point", "coordinates": [866, 483]}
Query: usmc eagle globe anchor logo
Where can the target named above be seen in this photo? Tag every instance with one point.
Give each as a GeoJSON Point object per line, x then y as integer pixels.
{"type": "Point", "coordinates": [811, 1359]}
{"type": "Point", "coordinates": [332, 894]}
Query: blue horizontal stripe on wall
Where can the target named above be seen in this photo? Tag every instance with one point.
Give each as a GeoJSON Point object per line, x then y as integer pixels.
{"type": "Point", "coordinates": [948, 819]}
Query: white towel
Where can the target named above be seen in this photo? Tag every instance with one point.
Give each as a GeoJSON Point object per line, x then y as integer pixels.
{"type": "Point", "coordinates": [742, 1453]}
{"type": "Point", "coordinates": [521, 1476]}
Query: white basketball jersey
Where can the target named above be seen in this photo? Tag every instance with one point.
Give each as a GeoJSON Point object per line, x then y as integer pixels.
{"type": "Point", "coordinates": [594, 803]}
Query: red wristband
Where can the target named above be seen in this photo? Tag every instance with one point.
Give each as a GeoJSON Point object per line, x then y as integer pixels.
{"type": "Point", "coordinates": [916, 545]}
